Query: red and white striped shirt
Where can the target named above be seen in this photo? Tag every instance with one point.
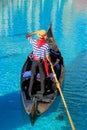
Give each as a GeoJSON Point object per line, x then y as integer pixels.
{"type": "Point", "coordinates": [39, 52]}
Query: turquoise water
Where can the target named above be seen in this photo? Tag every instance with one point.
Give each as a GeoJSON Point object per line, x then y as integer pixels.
{"type": "Point", "coordinates": [69, 20]}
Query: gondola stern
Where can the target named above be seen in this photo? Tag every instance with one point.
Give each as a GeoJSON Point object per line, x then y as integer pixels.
{"type": "Point", "coordinates": [33, 114]}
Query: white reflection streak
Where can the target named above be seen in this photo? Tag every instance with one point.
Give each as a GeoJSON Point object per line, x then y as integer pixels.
{"type": "Point", "coordinates": [54, 11]}
{"type": "Point", "coordinates": [21, 4]}
{"type": "Point", "coordinates": [11, 23]}
{"type": "Point", "coordinates": [37, 16]}
{"type": "Point", "coordinates": [59, 3]}
{"type": "Point", "coordinates": [29, 16]}
{"type": "Point", "coordinates": [67, 25]}
{"type": "Point", "coordinates": [67, 20]}
{"type": "Point", "coordinates": [5, 18]}
{"type": "Point", "coordinates": [1, 18]}
{"type": "Point", "coordinates": [15, 5]}
{"type": "Point", "coordinates": [42, 5]}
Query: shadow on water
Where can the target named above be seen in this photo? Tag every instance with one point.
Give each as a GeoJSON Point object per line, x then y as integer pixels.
{"type": "Point", "coordinates": [12, 114]}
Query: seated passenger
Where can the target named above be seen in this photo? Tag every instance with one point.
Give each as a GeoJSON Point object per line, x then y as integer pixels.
{"type": "Point", "coordinates": [56, 59]}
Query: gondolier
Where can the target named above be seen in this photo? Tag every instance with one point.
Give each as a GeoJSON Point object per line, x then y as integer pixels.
{"type": "Point", "coordinates": [40, 54]}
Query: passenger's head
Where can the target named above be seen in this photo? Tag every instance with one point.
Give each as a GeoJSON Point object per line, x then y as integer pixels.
{"type": "Point", "coordinates": [42, 34]}
{"type": "Point", "coordinates": [54, 47]}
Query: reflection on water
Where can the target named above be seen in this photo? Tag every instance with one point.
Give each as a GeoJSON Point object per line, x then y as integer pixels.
{"type": "Point", "coordinates": [14, 16]}
{"type": "Point", "coordinates": [18, 16]}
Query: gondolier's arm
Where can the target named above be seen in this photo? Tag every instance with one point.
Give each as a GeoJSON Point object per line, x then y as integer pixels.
{"type": "Point", "coordinates": [48, 58]}
{"type": "Point", "coordinates": [30, 34]}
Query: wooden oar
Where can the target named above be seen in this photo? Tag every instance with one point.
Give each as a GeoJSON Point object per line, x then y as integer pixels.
{"type": "Point", "coordinates": [64, 102]}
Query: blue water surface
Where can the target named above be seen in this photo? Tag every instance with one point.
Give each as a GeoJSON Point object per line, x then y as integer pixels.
{"type": "Point", "coordinates": [69, 24]}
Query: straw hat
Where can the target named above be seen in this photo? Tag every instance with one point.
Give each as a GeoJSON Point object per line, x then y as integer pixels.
{"type": "Point", "coordinates": [41, 34]}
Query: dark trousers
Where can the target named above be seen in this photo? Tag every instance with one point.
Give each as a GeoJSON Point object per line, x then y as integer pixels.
{"type": "Point", "coordinates": [39, 64]}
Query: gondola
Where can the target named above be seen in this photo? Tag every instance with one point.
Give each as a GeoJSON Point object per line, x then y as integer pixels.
{"type": "Point", "coordinates": [36, 106]}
